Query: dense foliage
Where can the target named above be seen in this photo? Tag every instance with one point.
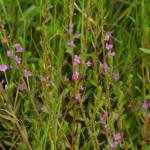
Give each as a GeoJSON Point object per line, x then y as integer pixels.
{"type": "Point", "coordinates": [74, 74]}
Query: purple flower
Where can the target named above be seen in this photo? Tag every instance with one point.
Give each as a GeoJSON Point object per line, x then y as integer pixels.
{"type": "Point", "coordinates": [113, 144]}
{"type": "Point", "coordinates": [117, 117]}
{"type": "Point", "coordinates": [104, 117]}
{"type": "Point", "coordinates": [148, 115]}
{"type": "Point", "coordinates": [145, 104]}
{"type": "Point", "coordinates": [79, 96]}
{"type": "Point", "coordinates": [105, 67]}
{"type": "Point", "coordinates": [18, 60]}
{"type": "Point", "coordinates": [75, 75]}
{"type": "Point", "coordinates": [117, 136]}
{"type": "Point", "coordinates": [19, 48]}
{"type": "Point", "coordinates": [3, 68]}
{"type": "Point", "coordinates": [76, 60]}
{"type": "Point", "coordinates": [109, 46]}
{"type": "Point", "coordinates": [77, 36]}
{"type": "Point", "coordinates": [27, 73]}
{"type": "Point", "coordinates": [71, 44]}
{"type": "Point", "coordinates": [111, 53]}
{"type": "Point", "coordinates": [22, 87]}
{"type": "Point", "coordinates": [107, 129]}
{"type": "Point", "coordinates": [44, 79]}
{"type": "Point", "coordinates": [107, 36]}
{"type": "Point", "coordinates": [89, 63]}
{"type": "Point", "coordinates": [9, 53]}
{"type": "Point", "coordinates": [103, 121]}
{"type": "Point", "coordinates": [81, 88]}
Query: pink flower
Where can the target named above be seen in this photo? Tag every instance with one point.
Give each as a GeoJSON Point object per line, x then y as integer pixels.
{"type": "Point", "coordinates": [104, 117]}
{"type": "Point", "coordinates": [79, 96]}
{"type": "Point", "coordinates": [145, 104]}
{"type": "Point", "coordinates": [81, 88]}
{"type": "Point", "coordinates": [44, 79]}
{"type": "Point", "coordinates": [107, 129]}
{"type": "Point", "coordinates": [148, 115]}
{"type": "Point", "coordinates": [71, 44]}
{"type": "Point", "coordinates": [3, 68]}
{"type": "Point", "coordinates": [111, 53]}
{"type": "Point", "coordinates": [117, 136]}
{"type": "Point", "coordinates": [9, 53]}
{"type": "Point", "coordinates": [117, 117]}
{"type": "Point", "coordinates": [113, 144]}
{"type": "Point", "coordinates": [18, 60]}
{"type": "Point", "coordinates": [5, 40]}
{"type": "Point", "coordinates": [109, 46]}
{"type": "Point", "coordinates": [107, 36]}
{"type": "Point", "coordinates": [89, 63]}
{"type": "Point", "coordinates": [27, 74]}
{"type": "Point", "coordinates": [105, 67]}
{"type": "Point", "coordinates": [75, 75]}
{"type": "Point", "coordinates": [22, 87]}
{"type": "Point", "coordinates": [19, 48]}
{"type": "Point", "coordinates": [76, 60]}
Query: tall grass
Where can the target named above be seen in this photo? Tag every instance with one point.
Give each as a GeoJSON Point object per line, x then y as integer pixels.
{"type": "Point", "coordinates": [53, 100]}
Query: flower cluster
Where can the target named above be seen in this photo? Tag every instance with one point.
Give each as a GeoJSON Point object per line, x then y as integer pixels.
{"type": "Point", "coordinates": [11, 55]}
{"type": "Point", "coordinates": [114, 142]}
{"type": "Point", "coordinates": [109, 46]}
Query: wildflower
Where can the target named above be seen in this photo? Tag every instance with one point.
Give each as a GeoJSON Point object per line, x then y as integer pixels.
{"type": "Point", "coordinates": [27, 74]}
{"type": "Point", "coordinates": [76, 60]}
{"type": "Point", "coordinates": [113, 144]}
{"type": "Point", "coordinates": [81, 88]}
{"type": "Point", "coordinates": [5, 40]}
{"type": "Point", "coordinates": [105, 114]}
{"type": "Point", "coordinates": [71, 44]}
{"type": "Point", "coordinates": [3, 68]}
{"type": "Point", "coordinates": [22, 87]}
{"type": "Point", "coordinates": [79, 96]}
{"type": "Point", "coordinates": [75, 75]}
{"type": "Point", "coordinates": [107, 129]}
{"type": "Point", "coordinates": [148, 115]}
{"type": "Point", "coordinates": [104, 117]}
{"type": "Point", "coordinates": [105, 67]}
{"type": "Point", "coordinates": [109, 46]}
{"type": "Point", "coordinates": [117, 117]}
{"type": "Point", "coordinates": [77, 36]}
{"type": "Point", "coordinates": [145, 104]}
{"type": "Point", "coordinates": [18, 47]}
{"type": "Point", "coordinates": [107, 36]}
{"type": "Point", "coordinates": [103, 121]}
{"type": "Point", "coordinates": [44, 79]}
{"type": "Point", "coordinates": [117, 136]}
{"type": "Point", "coordinates": [18, 60]}
{"type": "Point", "coordinates": [9, 53]}
{"type": "Point", "coordinates": [89, 63]}
{"type": "Point", "coordinates": [111, 53]}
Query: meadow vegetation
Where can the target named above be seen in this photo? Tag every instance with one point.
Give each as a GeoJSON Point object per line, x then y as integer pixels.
{"type": "Point", "coordinates": [74, 74]}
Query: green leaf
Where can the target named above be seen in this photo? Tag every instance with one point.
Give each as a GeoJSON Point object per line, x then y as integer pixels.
{"type": "Point", "coordinates": [147, 51]}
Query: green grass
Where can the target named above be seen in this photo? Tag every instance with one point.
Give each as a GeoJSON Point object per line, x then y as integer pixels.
{"type": "Point", "coordinates": [47, 115]}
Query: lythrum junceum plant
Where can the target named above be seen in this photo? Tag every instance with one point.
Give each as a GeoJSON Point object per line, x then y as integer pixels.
{"type": "Point", "coordinates": [74, 75]}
